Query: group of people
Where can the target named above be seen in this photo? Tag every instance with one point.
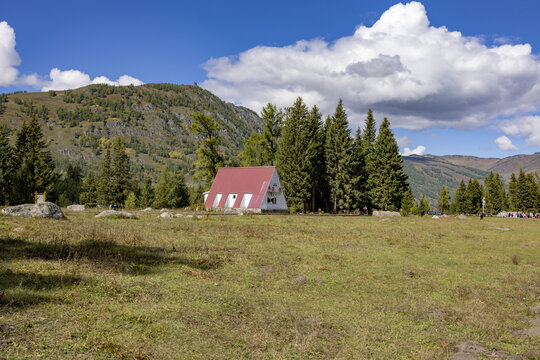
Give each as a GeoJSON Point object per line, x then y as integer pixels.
{"type": "Point", "coordinates": [524, 215]}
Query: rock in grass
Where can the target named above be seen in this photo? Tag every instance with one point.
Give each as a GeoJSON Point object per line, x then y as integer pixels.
{"type": "Point", "coordinates": [114, 213]}
{"type": "Point", "coordinates": [148, 209]}
{"type": "Point", "coordinates": [179, 215]}
{"type": "Point", "coordinates": [45, 210]}
{"type": "Point", "coordinates": [462, 217]}
{"type": "Point", "coordinates": [386, 213]}
{"type": "Point", "coordinates": [166, 215]}
{"type": "Point", "coordinates": [434, 217]}
{"type": "Point", "coordinates": [76, 207]}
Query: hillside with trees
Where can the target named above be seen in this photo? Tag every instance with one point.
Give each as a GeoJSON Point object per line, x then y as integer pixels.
{"type": "Point", "coordinates": [153, 121]}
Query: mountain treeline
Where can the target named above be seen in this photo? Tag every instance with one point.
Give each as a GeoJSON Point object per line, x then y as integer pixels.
{"type": "Point", "coordinates": [521, 195]}
{"type": "Point", "coordinates": [322, 167]}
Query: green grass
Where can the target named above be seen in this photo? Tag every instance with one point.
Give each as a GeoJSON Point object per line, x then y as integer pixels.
{"type": "Point", "coordinates": [265, 287]}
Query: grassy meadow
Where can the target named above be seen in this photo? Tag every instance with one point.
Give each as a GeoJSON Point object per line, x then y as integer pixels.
{"type": "Point", "coordinates": [266, 287]}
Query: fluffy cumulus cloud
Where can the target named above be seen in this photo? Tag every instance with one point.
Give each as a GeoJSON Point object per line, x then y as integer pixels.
{"type": "Point", "coordinates": [419, 150]}
{"type": "Point", "coordinates": [504, 143]}
{"type": "Point", "coordinates": [70, 79]}
{"type": "Point", "coordinates": [58, 79]}
{"type": "Point", "coordinates": [527, 127]}
{"type": "Point", "coordinates": [9, 59]}
{"type": "Point", "coordinates": [418, 75]}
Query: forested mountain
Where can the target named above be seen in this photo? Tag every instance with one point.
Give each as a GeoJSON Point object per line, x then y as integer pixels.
{"type": "Point", "coordinates": [429, 173]}
{"type": "Point", "coordinates": [153, 121]}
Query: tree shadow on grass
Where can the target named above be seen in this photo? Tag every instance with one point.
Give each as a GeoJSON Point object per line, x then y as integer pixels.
{"type": "Point", "coordinates": [135, 260]}
{"type": "Point", "coordinates": [21, 289]}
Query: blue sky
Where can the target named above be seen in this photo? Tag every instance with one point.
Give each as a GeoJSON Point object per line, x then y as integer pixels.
{"type": "Point", "coordinates": [423, 98]}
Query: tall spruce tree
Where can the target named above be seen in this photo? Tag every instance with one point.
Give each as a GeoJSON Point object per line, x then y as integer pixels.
{"type": "Point", "coordinates": [338, 151]}
{"type": "Point", "coordinates": [473, 197]}
{"type": "Point", "coordinates": [35, 166]}
{"type": "Point", "coordinates": [315, 159]}
{"type": "Point", "coordinates": [359, 175]}
{"type": "Point", "coordinates": [89, 191]}
{"type": "Point", "coordinates": [147, 193]}
{"type": "Point", "coordinates": [293, 169]}
{"type": "Point", "coordinates": [121, 176]}
{"type": "Point", "coordinates": [161, 198]}
{"type": "Point", "coordinates": [495, 193]}
{"type": "Point", "coordinates": [105, 192]}
{"type": "Point", "coordinates": [6, 168]}
{"type": "Point", "coordinates": [389, 182]}
{"type": "Point", "coordinates": [513, 193]}
{"type": "Point", "coordinates": [178, 193]}
{"type": "Point", "coordinates": [459, 204]}
{"type": "Point", "coordinates": [368, 144]}
{"type": "Point", "coordinates": [526, 192]}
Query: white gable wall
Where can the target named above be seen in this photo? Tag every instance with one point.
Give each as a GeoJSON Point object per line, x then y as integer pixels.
{"type": "Point", "coordinates": [274, 200]}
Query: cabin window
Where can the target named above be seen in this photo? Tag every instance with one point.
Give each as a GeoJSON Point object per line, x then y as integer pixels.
{"type": "Point", "coordinates": [271, 201]}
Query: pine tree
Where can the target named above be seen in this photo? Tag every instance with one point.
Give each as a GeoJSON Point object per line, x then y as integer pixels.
{"type": "Point", "coordinates": [388, 180]}
{"type": "Point", "coordinates": [161, 199]}
{"type": "Point", "coordinates": [291, 157]}
{"type": "Point", "coordinates": [338, 151]}
{"type": "Point", "coordinates": [272, 119]}
{"type": "Point", "coordinates": [147, 193]}
{"type": "Point", "coordinates": [473, 197]}
{"type": "Point", "coordinates": [444, 200]}
{"type": "Point", "coordinates": [254, 153]}
{"type": "Point", "coordinates": [368, 144]}
{"type": "Point", "coordinates": [6, 168]}
{"type": "Point", "coordinates": [526, 191]}
{"type": "Point", "coordinates": [131, 201]}
{"type": "Point", "coordinates": [34, 163]}
{"type": "Point", "coordinates": [423, 207]}
{"type": "Point", "coordinates": [105, 194]}
{"type": "Point", "coordinates": [513, 193]}
{"type": "Point", "coordinates": [210, 159]}
{"type": "Point", "coordinates": [495, 194]}
{"type": "Point", "coordinates": [315, 159]}
{"type": "Point", "coordinates": [121, 177]}
{"type": "Point", "coordinates": [459, 204]}
{"type": "Point", "coordinates": [178, 193]}
{"type": "Point", "coordinates": [89, 194]}
{"type": "Point", "coordinates": [408, 204]}
{"type": "Point", "coordinates": [359, 175]}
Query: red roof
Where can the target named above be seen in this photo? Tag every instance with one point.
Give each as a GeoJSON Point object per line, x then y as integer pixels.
{"type": "Point", "coordinates": [241, 180]}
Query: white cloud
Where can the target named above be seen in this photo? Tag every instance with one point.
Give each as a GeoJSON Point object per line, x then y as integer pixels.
{"type": "Point", "coordinates": [527, 127]}
{"type": "Point", "coordinates": [419, 150]}
{"type": "Point", "coordinates": [504, 143]}
{"type": "Point", "coordinates": [403, 141]}
{"type": "Point", "coordinates": [9, 58]}
{"type": "Point", "coordinates": [418, 75]}
{"type": "Point", "coordinates": [58, 79]}
{"type": "Point", "coordinates": [70, 79]}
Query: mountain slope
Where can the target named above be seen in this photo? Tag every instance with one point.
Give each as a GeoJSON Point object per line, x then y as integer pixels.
{"type": "Point", "coordinates": [429, 173]}
{"type": "Point", "coordinates": [153, 120]}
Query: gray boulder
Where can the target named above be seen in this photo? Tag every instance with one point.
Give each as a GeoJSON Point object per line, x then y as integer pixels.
{"type": "Point", "coordinates": [148, 209]}
{"type": "Point", "coordinates": [121, 214]}
{"type": "Point", "coordinates": [462, 217]}
{"type": "Point", "coordinates": [76, 208]}
{"type": "Point", "coordinates": [386, 213]}
{"type": "Point", "coordinates": [46, 210]}
{"type": "Point", "coordinates": [166, 215]}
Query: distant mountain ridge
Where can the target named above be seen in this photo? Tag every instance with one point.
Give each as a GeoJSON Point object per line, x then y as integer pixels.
{"type": "Point", "coordinates": [429, 173]}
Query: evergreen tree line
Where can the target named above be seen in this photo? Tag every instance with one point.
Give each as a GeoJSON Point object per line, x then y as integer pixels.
{"type": "Point", "coordinates": [322, 167]}
{"type": "Point", "coordinates": [521, 195]}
